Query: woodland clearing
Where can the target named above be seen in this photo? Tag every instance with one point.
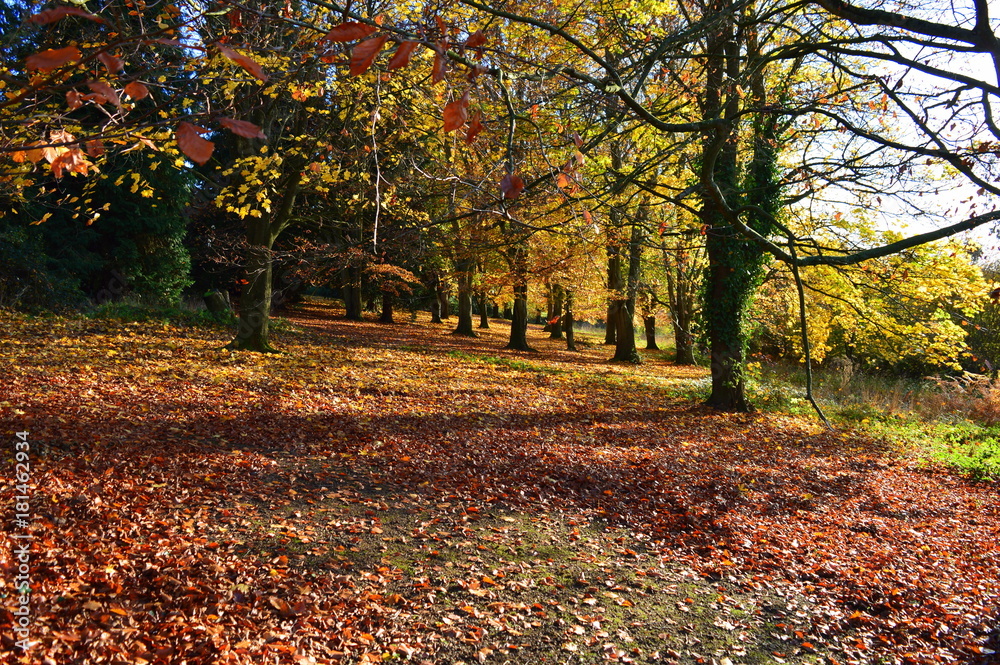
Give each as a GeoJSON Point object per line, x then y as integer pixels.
{"type": "Point", "coordinates": [392, 493]}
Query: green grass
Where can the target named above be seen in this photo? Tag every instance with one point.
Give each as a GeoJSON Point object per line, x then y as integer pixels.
{"type": "Point", "coordinates": [510, 363]}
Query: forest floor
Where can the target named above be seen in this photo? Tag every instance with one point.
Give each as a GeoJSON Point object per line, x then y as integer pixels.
{"type": "Point", "coordinates": [398, 494]}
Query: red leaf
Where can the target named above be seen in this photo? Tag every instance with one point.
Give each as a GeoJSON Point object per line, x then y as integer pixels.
{"type": "Point", "coordinates": [364, 54]}
{"type": "Point", "coordinates": [74, 99]}
{"type": "Point", "coordinates": [104, 93]}
{"type": "Point", "coordinates": [511, 186]}
{"type": "Point", "coordinates": [350, 31]}
{"type": "Point", "coordinates": [113, 64]}
{"type": "Point", "coordinates": [440, 64]}
{"type": "Point", "coordinates": [475, 126]}
{"type": "Point", "coordinates": [189, 140]}
{"type": "Point", "coordinates": [242, 128]}
{"type": "Point", "coordinates": [578, 140]}
{"type": "Point", "coordinates": [243, 61]}
{"type": "Point", "coordinates": [46, 61]}
{"type": "Point", "coordinates": [401, 58]}
{"type": "Point", "coordinates": [456, 113]}
{"type": "Point", "coordinates": [59, 13]}
{"type": "Point", "coordinates": [136, 90]}
{"type": "Point", "coordinates": [476, 39]}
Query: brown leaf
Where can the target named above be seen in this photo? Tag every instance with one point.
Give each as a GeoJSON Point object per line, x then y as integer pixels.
{"type": "Point", "coordinates": [104, 93]}
{"type": "Point", "coordinates": [244, 61]}
{"type": "Point", "coordinates": [456, 113]}
{"type": "Point", "coordinates": [74, 99]}
{"type": "Point", "coordinates": [111, 63]}
{"type": "Point", "coordinates": [58, 13]}
{"type": "Point", "coordinates": [511, 186]}
{"type": "Point", "coordinates": [95, 147]}
{"type": "Point", "coordinates": [401, 58]}
{"type": "Point", "coordinates": [46, 61]}
{"type": "Point", "coordinates": [475, 39]}
{"type": "Point", "coordinates": [348, 32]}
{"type": "Point", "coordinates": [242, 128]}
{"type": "Point", "coordinates": [136, 90]}
{"type": "Point", "coordinates": [440, 63]}
{"type": "Point", "coordinates": [475, 127]}
{"type": "Point", "coordinates": [191, 143]}
{"type": "Point", "coordinates": [364, 54]}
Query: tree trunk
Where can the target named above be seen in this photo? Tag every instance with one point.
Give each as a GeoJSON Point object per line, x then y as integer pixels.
{"type": "Point", "coordinates": [683, 345]}
{"type": "Point", "coordinates": [519, 319]}
{"type": "Point", "coordinates": [484, 314]}
{"type": "Point", "coordinates": [556, 326]}
{"type": "Point", "coordinates": [614, 286]}
{"type": "Point", "coordinates": [568, 322]}
{"type": "Point", "coordinates": [464, 277]}
{"type": "Point", "coordinates": [252, 333]}
{"type": "Point", "coordinates": [352, 294]}
{"type": "Point", "coordinates": [445, 306]}
{"type": "Point", "coordinates": [649, 323]}
{"type": "Point", "coordinates": [625, 350]}
{"type": "Point", "coordinates": [386, 316]}
{"type": "Point", "coordinates": [436, 311]}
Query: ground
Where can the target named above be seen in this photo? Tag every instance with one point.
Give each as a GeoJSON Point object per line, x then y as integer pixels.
{"type": "Point", "coordinates": [398, 494]}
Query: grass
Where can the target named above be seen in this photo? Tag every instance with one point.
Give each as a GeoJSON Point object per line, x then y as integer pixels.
{"type": "Point", "coordinates": [954, 421]}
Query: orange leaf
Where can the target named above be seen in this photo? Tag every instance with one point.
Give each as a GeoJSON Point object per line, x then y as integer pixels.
{"type": "Point", "coordinates": [46, 61]}
{"type": "Point", "coordinates": [475, 126]}
{"type": "Point", "coordinates": [563, 181]}
{"type": "Point", "coordinates": [511, 186]}
{"type": "Point", "coordinates": [59, 13]}
{"type": "Point", "coordinates": [104, 93]}
{"type": "Point", "coordinates": [71, 161]}
{"type": "Point", "coordinates": [243, 61]}
{"type": "Point", "coordinates": [364, 54]}
{"type": "Point", "coordinates": [189, 140]}
{"type": "Point", "coordinates": [350, 31]}
{"type": "Point", "coordinates": [113, 64]}
{"type": "Point", "coordinates": [401, 58]}
{"type": "Point", "coordinates": [456, 113]}
{"type": "Point", "coordinates": [242, 128]}
{"type": "Point", "coordinates": [136, 90]}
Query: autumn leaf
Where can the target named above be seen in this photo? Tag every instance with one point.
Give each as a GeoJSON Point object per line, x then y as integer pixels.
{"type": "Point", "coordinates": [46, 61]}
{"type": "Point", "coordinates": [401, 58]}
{"type": "Point", "coordinates": [189, 140]}
{"type": "Point", "coordinates": [440, 64]}
{"type": "Point", "coordinates": [511, 185]}
{"type": "Point", "coordinates": [136, 90]}
{"type": "Point", "coordinates": [58, 13]}
{"type": "Point", "coordinates": [111, 63]}
{"type": "Point", "coordinates": [242, 128]}
{"type": "Point", "coordinates": [364, 54]}
{"type": "Point", "coordinates": [246, 62]}
{"type": "Point", "coordinates": [95, 147]}
{"type": "Point", "coordinates": [74, 99]}
{"type": "Point", "coordinates": [456, 113]}
{"type": "Point", "coordinates": [349, 32]}
{"type": "Point", "coordinates": [475, 39]}
{"type": "Point", "coordinates": [475, 127]}
{"type": "Point", "coordinates": [70, 161]}
{"type": "Point", "coordinates": [103, 93]}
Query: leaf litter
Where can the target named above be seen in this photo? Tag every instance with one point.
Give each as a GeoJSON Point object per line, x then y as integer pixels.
{"type": "Point", "coordinates": [393, 493]}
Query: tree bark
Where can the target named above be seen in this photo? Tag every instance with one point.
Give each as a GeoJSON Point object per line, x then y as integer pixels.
{"type": "Point", "coordinates": [519, 319]}
{"type": "Point", "coordinates": [484, 314]}
{"type": "Point", "coordinates": [352, 295]}
{"type": "Point", "coordinates": [649, 323]}
{"type": "Point", "coordinates": [556, 327]}
{"type": "Point", "coordinates": [253, 332]}
{"type": "Point", "coordinates": [614, 286]}
{"type": "Point", "coordinates": [386, 316]}
{"type": "Point", "coordinates": [464, 277]}
{"type": "Point", "coordinates": [568, 322]}
{"type": "Point", "coordinates": [625, 350]}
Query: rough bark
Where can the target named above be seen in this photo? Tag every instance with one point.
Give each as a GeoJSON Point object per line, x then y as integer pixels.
{"type": "Point", "coordinates": [614, 286]}
{"type": "Point", "coordinates": [568, 322]}
{"type": "Point", "coordinates": [625, 350]}
{"type": "Point", "coordinates": [556, 326]}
